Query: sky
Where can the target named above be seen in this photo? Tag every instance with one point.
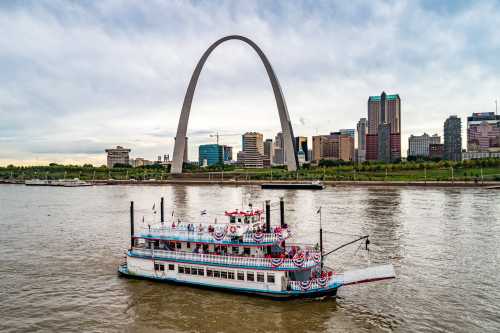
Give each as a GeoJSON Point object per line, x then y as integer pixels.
{"type": "Point", "coordinates": [78, 77]}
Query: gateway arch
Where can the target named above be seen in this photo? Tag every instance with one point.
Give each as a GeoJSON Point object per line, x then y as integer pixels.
{"type": "Point", "coordinates": [286, 126]}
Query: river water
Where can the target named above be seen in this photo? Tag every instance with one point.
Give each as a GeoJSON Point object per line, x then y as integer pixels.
{"type": "Point", "coordinates": [60, 248]}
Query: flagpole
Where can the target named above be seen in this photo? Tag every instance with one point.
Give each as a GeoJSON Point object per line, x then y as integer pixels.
{"type": "Point", "coordinates": [321, 238]}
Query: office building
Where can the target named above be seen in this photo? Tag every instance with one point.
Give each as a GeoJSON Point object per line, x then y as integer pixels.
{"type": "Point", "coordinates": [384, 120]}
{"type": "Point", "coordinates": [252, 154]}
{"type": "Point", "coordinates": [210, 154]}
{"type": "Point", "coordinates": [279, 156]}
{"type": "Point", "coordinates": [335, 146]}
{"type": "Point", "coordinates": [371, 147]}
{"type": "Point", "coordinates": [118, 155]}
{"type": "Point", "coordinates": [301, 144]}
{"type": "Point", "coordinates": [418, 145]}
{"type": "Point", "coordinates": [436, 151]}
{"type": "Point", "coordinates": [362, 128]}
{"type": "Point", "coordinates": [228, 153]}
{"type": "Point", "coordinates": [483, 132]}
{"type": "Point", "coordinates": [453, 139]}
{"type": "Point", "coordinates": [268, 152]}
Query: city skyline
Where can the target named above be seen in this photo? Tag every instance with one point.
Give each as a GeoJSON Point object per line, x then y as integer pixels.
{"type": "Point", "coordinates": [123, 82]}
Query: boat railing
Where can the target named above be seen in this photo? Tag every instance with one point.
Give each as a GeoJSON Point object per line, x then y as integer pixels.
{"type": "Point", "coordinates": [312, 284]}
{"type": "Point", "coordinates": [218, 236]}
{"type": "Point", "coordinates": [276, 263]}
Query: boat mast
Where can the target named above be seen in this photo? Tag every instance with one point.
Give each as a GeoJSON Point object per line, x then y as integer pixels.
{"type": "Point", "coordinates": [320, 238]}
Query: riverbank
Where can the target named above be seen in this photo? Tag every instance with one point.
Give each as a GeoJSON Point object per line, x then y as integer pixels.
{"type": "Point", "coordinates": [373, 183]}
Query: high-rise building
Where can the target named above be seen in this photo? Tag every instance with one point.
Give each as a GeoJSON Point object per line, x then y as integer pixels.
{"type": "Point", "coordinates": [436, 150]}
{"type": "Point", "coordinates": [268, 152]}
{"type": "Point", "coordinates": [228, 153]}
{"type": "Point", "coordinates": [362, 128]}
{"type": "Point", "coordinates": [483, 132]}
{"type": "Point", "coordinates": [252, 154]}
{"type": "Point", "coordinates": [384, 114]}
{"type": "Point", "coordinates": [301, 144]}
{"type": "Point", "coordinates": [371, 147]}
{"type": "Point", "coordinates": [335, 146]}
{"type": "Point", "coordinates": [453, 139]}
{"type": "Point", "coordinates": [210, 154]}
{"type": "Point", "coordinates": [279, 156]}
{"type": "Point", "coordinates": [118, 155]}
{"type": "Point", "coordinates": [418, 145]}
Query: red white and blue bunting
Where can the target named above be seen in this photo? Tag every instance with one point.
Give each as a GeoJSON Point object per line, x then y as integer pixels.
{"type": "Point", "coordinates": [258, 237]}
{"type": "Point", "coordinates": [305, 285]}
{"type": "Point", "coordinates": [322, 282]}
{"type": "Point", "coordinates": [298, 260]}
{"type": "Point", "coordinates": [275, 262]}
{"type": "Point", "coordinates": [219, 235]}
{"type": "Point", "coordinates": [316, 257]}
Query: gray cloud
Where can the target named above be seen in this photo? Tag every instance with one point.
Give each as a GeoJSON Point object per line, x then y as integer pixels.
{"type": "Point", "coordinates": [78, 76]}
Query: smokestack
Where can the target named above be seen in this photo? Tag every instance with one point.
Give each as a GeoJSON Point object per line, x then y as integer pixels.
{"type": "Point", "coordinates": [282, 213]}
{"type": "Point", "coordinates": [131, 224]}
{"type": "Point", "coordinates": [268, 216]}
{"type": "Point", "coordinates": [162, 216]}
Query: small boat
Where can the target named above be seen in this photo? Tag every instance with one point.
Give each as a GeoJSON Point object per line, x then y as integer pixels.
{"type": "Point", "coordinates": [61, 182]}
{"type": "Point", "coordinates": [315, 185]}
{"type": "Point", "coordinates": [37, 182]}
{"type": "Point", "coordinates": [245, 255]}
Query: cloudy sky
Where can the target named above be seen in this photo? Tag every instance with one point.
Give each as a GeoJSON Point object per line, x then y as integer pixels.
{"type": "Point", "coordinates": [77, 77]}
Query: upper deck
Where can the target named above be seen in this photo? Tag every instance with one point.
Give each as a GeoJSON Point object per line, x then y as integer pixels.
{"type": "Point", "coordinates": [229, 234]}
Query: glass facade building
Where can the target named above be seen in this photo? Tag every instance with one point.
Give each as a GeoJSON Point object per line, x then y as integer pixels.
{"type": "Point", "coordinates": [211, 154]}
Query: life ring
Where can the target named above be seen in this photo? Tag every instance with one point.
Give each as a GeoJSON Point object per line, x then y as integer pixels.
{"type": "Point", "coordinates": [233, 229]}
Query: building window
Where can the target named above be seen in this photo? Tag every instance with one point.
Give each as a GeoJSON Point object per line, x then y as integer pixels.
{"type": "Point", "coordinates": [181, 269]}
{"type": "Point", "coordinates": [171, 267]}
{"type": "Point", "coordinates": [246, 250]}
{"type": "Point", "coordinates": [241, 276]}
{"type": "Point", "coordinates": [250, 277]}
{"type": "Point", "coordinates": [210, 273]}
{"type": "Point", "coordinates": [260, 277]}
{"type": "Point", "coordinates": [217, 274]}
{"type": "Point", "coordinates": [178, 245]}
{"type": "Point", "coordinates": [270, 278]}
{"type": "Point", "coordinates": [157, 267]}
{"type": "Point", "coordinates": [230, 275]}
{"type": "Point", "coordinates": [187, 270]}
{"type": "Point", "coordinates": [162, 268]}
{"type": "Point", "coordinates": [223, 275]}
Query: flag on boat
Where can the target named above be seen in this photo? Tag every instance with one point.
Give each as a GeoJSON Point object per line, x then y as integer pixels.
{"type": "Point", "coordinates": [319, 210]}
{"type": "Point", "coordinates": [154, 211]}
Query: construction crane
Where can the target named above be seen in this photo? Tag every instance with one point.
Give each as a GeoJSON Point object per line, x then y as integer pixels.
{"type": "Point", "coordinates": [217, 135]}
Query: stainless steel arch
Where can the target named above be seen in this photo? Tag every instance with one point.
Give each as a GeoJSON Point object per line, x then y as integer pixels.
{"type": "Point", "coordinates": [286, 126]}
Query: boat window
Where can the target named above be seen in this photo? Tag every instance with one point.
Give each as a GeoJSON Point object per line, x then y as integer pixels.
{"type": "Point", "coordinates": [241, 276]}
{"type": "Point", "coordinates": [239, 219]}
{"type": "Point", "coordinates": [188, 245]}
{"type": "Point", "coordinates": [181, 269]}
{"type": "Point", "coordinates": [230, 275]}
{"type": "Point", "coordinates": [246, 250]}
{"type": "Point", "coordinates": [187, 270]}
{"type": "Point", "coordinates": [270, 278]}
{"type": "Point", "coordinates": [178, 245]}
{"type": "Point", "coordinates": [236, 250]}
{"type": "Point", "coordinates": [210, 272]}
{"type": "Point", "coordinates": [232, 219]}
{"type": "Point", "coordinates": [217, 274]}
{"type": "Point", "coordinates": [223, 275]}
{"type": "Point", "coordinates": [205, 247]}
{"type": "Point", "coordinates": [194, 271]}
{"type": "Point", "coordinates": [250, 277]}
{"type": "Point", "coordinates": [162, 267]}
{"type": "Point", "coordinates": [157, 267]}
{"type": "Point", "coordinates": [260, 277]}
{"type": "Point", "coordinates": [201, 271]}
{"type": "Point", "coordinates": [171, 267]}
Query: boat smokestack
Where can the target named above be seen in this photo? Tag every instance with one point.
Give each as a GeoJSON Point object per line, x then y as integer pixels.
{"type": "Point", "coordinates": [282, 212]}
{"type": "Point", "coordinates": [131, 224]}
{"type": "Point", "coordinates": [268, 216]}
{"type": "Point", "coordinates": [162, 216]}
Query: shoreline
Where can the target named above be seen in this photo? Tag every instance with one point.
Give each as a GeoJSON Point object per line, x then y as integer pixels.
{"type": "Point", "coordinates": [372, 183]}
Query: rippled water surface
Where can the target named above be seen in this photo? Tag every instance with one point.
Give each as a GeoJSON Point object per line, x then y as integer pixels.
{"type": "Point", "coordinates": [60, 248]}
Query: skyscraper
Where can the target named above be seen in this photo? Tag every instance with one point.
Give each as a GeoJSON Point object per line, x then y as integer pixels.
{"type": "Point", "coordinates": [252, 154]}
{"type": "Point", "coordinates": [385, 110]}
{"type": "Point", "coordinates": [362, 131]}
{"type": "Point", "coordinates": [335, 146]}
{"type": "Point", "coordinates": [228, 153]}
{"type": "Point", "coordinates": [279, 156]}
{"type": "Point", "coordinates": [301, 144]}
{"type": "Point", "coordinates": [453, 139]}
{"type": "Point", "coordinates": [268, 152]}
{"type": "Point", "coordinates": [483, 132]}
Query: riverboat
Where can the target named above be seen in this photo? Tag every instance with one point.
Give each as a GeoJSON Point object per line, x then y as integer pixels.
{"type": "Point", "coordinates": [315, 185]}
{"type": "Point", "coordinates": [75, 182]}
{"type": "Point", "coordinates": [244, 255]}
